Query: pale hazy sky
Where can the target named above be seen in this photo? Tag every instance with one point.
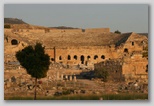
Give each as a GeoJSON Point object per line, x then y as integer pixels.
{"type": "Point", "coordinates": [122, 17]}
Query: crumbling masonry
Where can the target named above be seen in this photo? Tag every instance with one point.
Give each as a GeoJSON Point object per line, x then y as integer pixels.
{"type": "Point", "coordinates": [120, 54]}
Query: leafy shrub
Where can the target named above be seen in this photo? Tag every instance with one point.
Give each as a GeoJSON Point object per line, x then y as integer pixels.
{"type": "Point", "coordinates": [7, 26]}
{"type": "Point", "coordinates": [117, 31]}
{"type": "Point", "coordinates": [102, 74]}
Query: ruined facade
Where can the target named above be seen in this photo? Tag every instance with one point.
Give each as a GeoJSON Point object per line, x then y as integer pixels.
{"type": "Point", "coordinates": [95, 48]}
{"type": "Point", "coordinates": [132, 64]}
{"type": "Point", "coordinates": [126, 69]}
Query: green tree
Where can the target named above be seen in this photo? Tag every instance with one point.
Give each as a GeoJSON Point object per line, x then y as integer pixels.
{"type": "Point", "coordinates": [103, 73]}
{"type": "Point", "coordinates": [35, 61]}
{"type": "Point", "coordinates": [7, 26]}
{"type": "Point", "coordinates": [117, 31]}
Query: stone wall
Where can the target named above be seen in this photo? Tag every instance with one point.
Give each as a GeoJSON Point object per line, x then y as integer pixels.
{"type": "Point", "coordinates": [113, 67]}
{"type": "Point", "coordinates": [128, 68]}
{"type": "Point", "coordinates": [135, 67]}
{"type": "Point", "coordinates": [66, 30]}
{"type": "Point", "coordinates": [133, 44]}
{"type": "Point", "coordinates": [92, 30]}
{"type": "Point", "coordinates": [81, 55]}
{"type": "Point", "coordinates": [129, 51]}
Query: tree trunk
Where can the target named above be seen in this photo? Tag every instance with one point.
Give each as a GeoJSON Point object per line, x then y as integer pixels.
{"type": "Point", "coordinates": [35, 88]}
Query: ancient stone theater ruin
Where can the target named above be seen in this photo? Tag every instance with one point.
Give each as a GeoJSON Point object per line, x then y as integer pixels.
{"type": "Point", "coordinates": [93, 49]}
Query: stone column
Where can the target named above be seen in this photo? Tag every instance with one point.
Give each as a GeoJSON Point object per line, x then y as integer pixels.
{"type": "Point", "coordinates": [61, 76]}
{"type": "Point", "coordinates": [70, 77]}
{"type": "Point", "coordinates": [74, 78]}
{"type": "Point", "coordinates": [57, 77]}
{"type": "Point", "coordinates": [66, 77]}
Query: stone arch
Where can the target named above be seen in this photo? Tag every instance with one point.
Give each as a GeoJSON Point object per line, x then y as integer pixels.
{"type": "Point", "coordinates": [52, 59]}
{"type": "Point", "coordinates": [69, 57]}
{"type": "Point", "coordinates": [75, 57]}
{"type": "Point", "coordinates": [88, 57]}
{"type": "Point", "coordinates": [103, 57]}
{"type": "Point", "coordinates": [132, 43]}
{"type": "Point", "coordinates": [14, 42]}
{"type": "Point", "coordinates": [126, 50]}
{"type": "Point", "coordinates": [82, 59]}
{"type": "Point", "coordinates": [60, 58]}
{"type": "Point", "coordinates": [95, 57]}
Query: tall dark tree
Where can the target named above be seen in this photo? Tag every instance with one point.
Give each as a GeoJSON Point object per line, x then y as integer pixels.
{"type": "Point", "coordinates": [35, 61]}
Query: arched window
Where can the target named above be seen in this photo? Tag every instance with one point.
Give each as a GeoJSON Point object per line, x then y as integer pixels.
{"type": "Point", "coordinates": [132, 43]}
{"type": "Point", "coordinates": [126, 50]}
{"type": "Point", "coordinates": [69, 57]}
{"type": "Point", "coordinates": [60, 58]}
{"type": "Point", "coordinates": [88, 57]}
{"type": "Point", "coordinates": [14, 42]}
{"type": "Point", "coordinates": [52, 59]}
{"type": "Point", "coordinates": [103, 57]}
{"type": "Point", "coordinates": [75, 57]}
{"type": "Point", "coordinates": [95, 57]}
{"type": "Point", "coordinates": [82, 59]}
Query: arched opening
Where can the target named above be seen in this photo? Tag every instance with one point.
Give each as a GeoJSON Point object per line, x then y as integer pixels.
{"type": "Point", "coordinates": [52, 59]}
{"type": "Point", "coordinates": [60, 58]}
{"type": "Point", "coordinates": [69, 57]}
{"type": "Point", "coordinates": [82, 59]}
{"type": "Point", "coordinates": [75, 57]}
{"type": "Point", "coordinates": [88, 57]}
{"type": "Point", "coordinates": [14, 42]}
{"type": "Point", "coordinates": [103, 57]}
{"type": "Point", "coordinates": [95, 57]}
{"type": "Point", "coordinates": [132, 43]}
{"type": "Point", "coordinates": [126, 50]}
{"type": "Point", "coordinates": [146, 69]}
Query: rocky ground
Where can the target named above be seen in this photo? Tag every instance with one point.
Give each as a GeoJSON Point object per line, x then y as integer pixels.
{"type": "Point", "coordinates": [62, 81]}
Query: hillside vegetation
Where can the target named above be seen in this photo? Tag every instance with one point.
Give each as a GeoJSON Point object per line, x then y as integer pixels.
{"type": "Point", "coordinates": [13, 21]}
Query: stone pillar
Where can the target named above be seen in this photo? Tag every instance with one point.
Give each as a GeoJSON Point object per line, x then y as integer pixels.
{"type": "Point", "coordinates": [66, 77]}
{"type": "Point", "coordinates": [57, 77]}
{"type": "Point", "coordinates": [74, 78]}
{"type": "Point", "coordinates": [70, 77]}
{"type": "Point", "coordinates": [61, 76]}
